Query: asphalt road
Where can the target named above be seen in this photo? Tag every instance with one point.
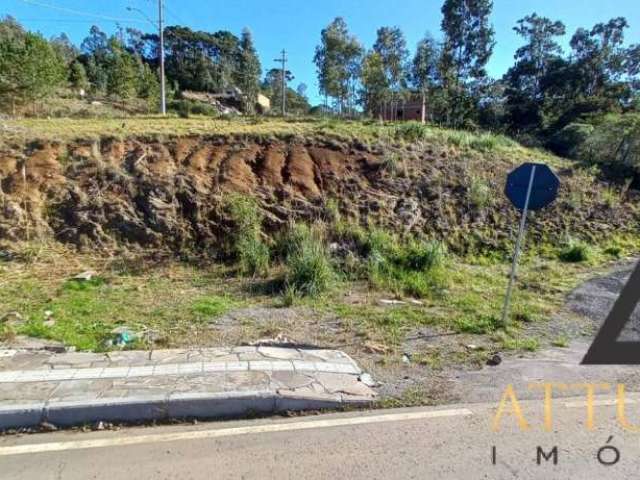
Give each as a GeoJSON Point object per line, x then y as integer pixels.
{"type": "Point", "coordinates": [424, 443]}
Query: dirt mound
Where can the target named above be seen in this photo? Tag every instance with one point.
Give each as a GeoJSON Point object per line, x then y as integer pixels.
{"type": "Point", "coordinates": [171, 194]}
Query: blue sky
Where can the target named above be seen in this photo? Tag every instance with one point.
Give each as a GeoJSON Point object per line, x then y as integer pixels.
{"type": "Point", "coordinates": [296, 24]}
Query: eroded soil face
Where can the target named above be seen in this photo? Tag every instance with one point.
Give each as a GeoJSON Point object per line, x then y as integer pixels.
{"type": "Point", "coordinates": [145, 193]}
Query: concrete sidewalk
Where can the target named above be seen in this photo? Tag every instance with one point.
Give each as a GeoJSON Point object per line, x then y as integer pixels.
{"type": "Point", "coordinates": [130, 386]}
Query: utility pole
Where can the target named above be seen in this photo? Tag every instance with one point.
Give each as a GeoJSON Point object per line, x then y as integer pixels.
{"type": "Point", "coordinates": [283, 60]}
{"type": "Point", "coordinates": [160, 25]}
{"type": "Point", "coordinates": [163, 95]}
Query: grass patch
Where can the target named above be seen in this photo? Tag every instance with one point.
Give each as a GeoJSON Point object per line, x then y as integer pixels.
{"type": "Point", "coordinates": [515, 343]}
{"type": "Point", "coordinates": [213, 306]}
{"type": "Point", "coordinates": [561, 342]}
{"type": "Point", "coordinates": [575, 251]}
{"type": "Point", "coordinates": [409, 267]}
{"type": "Point", "coordinates": [307, 262]}
{"type": "Point", "coordinates": [73, 285]}
{"type": "Point", "coordinates": [248, 247]}
{"type": "Point", "coordinates": [480, 324]}
{"type": "Point", "coordinates": [479, 192]}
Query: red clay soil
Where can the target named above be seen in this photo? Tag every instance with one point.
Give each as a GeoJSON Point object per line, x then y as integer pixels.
{"type": "Point", "coordinates": [171, 194]}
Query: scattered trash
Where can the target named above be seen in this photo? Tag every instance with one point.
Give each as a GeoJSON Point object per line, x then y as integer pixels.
{"type": "Point", "coordinates": [406, 359]}
{"type": "Point", "coordinates": [473, 347]}
{"type": "Point", "coordinates": [494, 360]}
{"type": "Point", "coordinates": [7, 256]}
{"type": "Point", "coordinates": [49, 427]}
{"type": "Point", "coordinates": [11, 317]}
{"type": "Point", "coordinates": [368, 380]}
{"type": "Point", "coordinates": [385, 301]}
{"type": "Point", "coordinates": [416, 302]}
{"type": "Point", "coordinates": [149, 337]}
{"type": "Point", "coordinates": [49, 321]}
{"type": "Point", "coordinates": [84, 276]}
{"type": "Point", "coordinates": [100, 425]}
{"type": "Point", "coordinates": [121, 337]}
{"type": "Point", "coordinates": [372, 347]}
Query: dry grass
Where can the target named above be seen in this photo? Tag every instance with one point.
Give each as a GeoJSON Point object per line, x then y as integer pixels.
{"type": "Point", "coordinates": [372, 133]}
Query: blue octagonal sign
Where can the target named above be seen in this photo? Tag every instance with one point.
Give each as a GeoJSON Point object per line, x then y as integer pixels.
{"type": "Point", "coordinates": [544, 189]}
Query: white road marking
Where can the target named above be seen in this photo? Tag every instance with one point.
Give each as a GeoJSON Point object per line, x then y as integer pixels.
{"type": "Point", "coordinates": [228, 432]}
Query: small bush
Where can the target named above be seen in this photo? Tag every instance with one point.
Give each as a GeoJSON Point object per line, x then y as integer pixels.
{"type": "Point", "coordinates": [186, 108]}
{"type": "Point", "coordinates": [245, 213]}
{"type": "Point", "coordinates": [248, 248]}
{"type": "Point", "coordinates": [613, 250]}
{"type": "Point", "coordinates": [391, 162]}
{"type": "Point", "coordinates": [411, 131]}
{"type": "Point", "coordinates": [479, 192]}
{"type": "Point", "coordinates": [183, 108]}
{"type": "Point", "coordinates": [289, 296]}
{"type": "Point", "coordinates": [309, 270]}
{"type": "Point", "coordinates": [575, 252]}
{"type": "Point", "coordinates": [484, 143]}
{"type": "Point", "coordinates": [421, 256]}
{"type": "Point", "coordinates": [253, 255]}
{"type": "Point", "coordinates": [570, 140]}
{"type": "Point", "coordinates": [412, 268]}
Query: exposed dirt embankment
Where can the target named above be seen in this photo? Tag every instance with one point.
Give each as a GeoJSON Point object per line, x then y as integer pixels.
{"type": "Point", "coordinates": [170, 194]}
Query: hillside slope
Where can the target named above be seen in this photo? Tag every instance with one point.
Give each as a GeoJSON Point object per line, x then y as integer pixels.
{"type": "Point", "coordinates": [170, 191]}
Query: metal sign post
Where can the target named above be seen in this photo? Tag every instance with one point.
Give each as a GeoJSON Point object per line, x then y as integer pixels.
{"type": "Point", "coordinates": [516, 254]}
{"type": "Point", "coordinates": [530, 187]}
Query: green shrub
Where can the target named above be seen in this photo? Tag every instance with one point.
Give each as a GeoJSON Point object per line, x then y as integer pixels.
{"type": "Point", "coordinates": [479, 192]}
{"type": "Point", "coordinates": [391, 162]}
{"type": "Point", "coordinates": [289, 296]}
{"type": "Point", "coordinates": [309, 269]}
{"type": "Point", "coordinates": [411, 131]}
{"type": "Point", "coordinates": [420, 256]}
{"type": "Point", "coordinates": [248, 247]}
{"type": "Point", "coordinates": [182, 108]}
{"type": "Point", "coordinates": [570, 140]}
{"type": "Point", "coordinates": [253, 255]}
{"type": "Point", "coordinates": [411, 267]}
{"type": "Point", "coordinates": [186, 108]}
{"type": "Point", "coordinates": [244, 212]}
{"type": "Point", "coordinates": [613, 250]}
{"type": "Point", "coordinates": [484, 143]}
{"type": "Point", "coordinates": [575, 252]}
{"type": "Point", "coordinates": [615, 140]}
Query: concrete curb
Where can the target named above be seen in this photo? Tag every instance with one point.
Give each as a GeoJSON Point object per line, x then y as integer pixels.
{"type": "Point", "coordinates": [164, 407]}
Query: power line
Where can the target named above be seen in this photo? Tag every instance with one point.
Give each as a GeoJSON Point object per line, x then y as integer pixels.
{"type": "Point", "coordinates": [174, 15]}
{"type": "Point", "coordinates": [79, 12]}
{"type": "Point", "coordinates": [68, 20]}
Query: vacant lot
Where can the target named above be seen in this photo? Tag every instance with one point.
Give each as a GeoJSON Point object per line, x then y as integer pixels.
{"type": "Point", "coordinates": [391, 242]}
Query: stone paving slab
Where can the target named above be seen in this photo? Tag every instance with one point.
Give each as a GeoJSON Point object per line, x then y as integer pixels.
{"type": "Point", "coordinates": [133, 386]}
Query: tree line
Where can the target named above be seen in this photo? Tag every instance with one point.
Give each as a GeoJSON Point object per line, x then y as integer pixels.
{"type": "Point", "coordinates": [125, 66]}
{"type": "Point", "coordinates": [542, 96]}
{"type": "Point", "coordinates": [545, 90]}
